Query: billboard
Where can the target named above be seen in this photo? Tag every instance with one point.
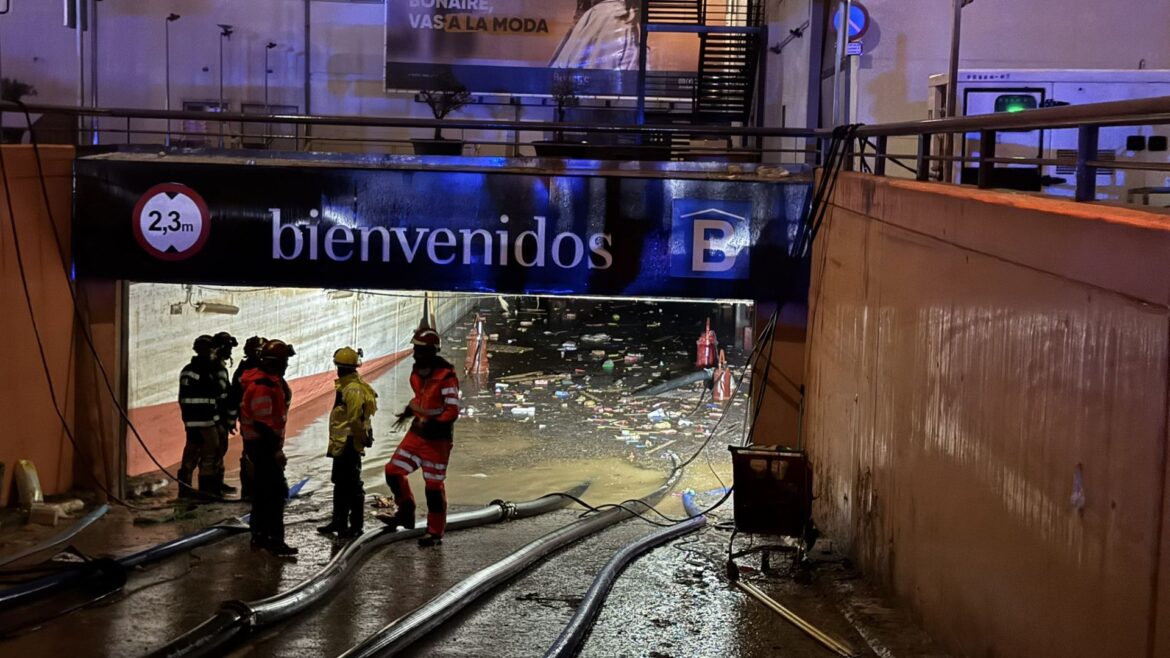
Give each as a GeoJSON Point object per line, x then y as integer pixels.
{"type": "Point", "coordinates": [521, 46]}
{"type": "Point", "coordinates": [425, 229]}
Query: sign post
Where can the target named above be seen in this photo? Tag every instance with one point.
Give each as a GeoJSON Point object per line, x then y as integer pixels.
{"type": "Point", "coordinates": [851, 21]}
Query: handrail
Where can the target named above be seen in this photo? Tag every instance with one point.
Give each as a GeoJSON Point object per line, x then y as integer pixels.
{"type": "Point", "coordinates": [1141, 111]}
{"type": "Point", "coordinates": [408, 122]}
{"type": "Point", "coordinates": [1087, 119]}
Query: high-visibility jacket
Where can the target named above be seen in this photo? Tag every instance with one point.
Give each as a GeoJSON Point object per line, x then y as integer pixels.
{"type": "Point", "coordinates": [199, 391]}
{"type": "Point", "coordinates": [264, 402]}
{"type": "Point", "coordinates": [227, 410]}
{"type": "Point", "coordinates": [436, 398]}
{"type": "Point", "coordinates": [353, 410]}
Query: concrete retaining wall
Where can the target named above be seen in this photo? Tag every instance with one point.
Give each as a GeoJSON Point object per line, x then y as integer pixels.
{"type": "Point", "coordinates": [987, 413]}
{"type": "Point", "coordinates": [32, 428]}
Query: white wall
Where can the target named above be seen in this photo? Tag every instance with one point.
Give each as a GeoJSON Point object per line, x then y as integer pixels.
{"type": "Point", "coordinates": [379, 322]}
{"type": "Point", "coordinates": [786, 84]}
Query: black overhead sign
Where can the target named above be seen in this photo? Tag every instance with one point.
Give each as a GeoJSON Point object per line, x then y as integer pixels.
{"type": "Point", "coordinates": [492, 230]}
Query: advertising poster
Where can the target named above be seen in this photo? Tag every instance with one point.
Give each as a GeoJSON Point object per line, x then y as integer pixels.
{"type": "Point", "coordinates": [521, 46]}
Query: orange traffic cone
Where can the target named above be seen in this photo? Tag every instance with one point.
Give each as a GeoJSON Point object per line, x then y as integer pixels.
{"type": "Point", "coordinates": [477, 350]}
{"type": "Point", "coordinates": [722, 390]}
{"type": "Point", "coordinates": [705, 355]}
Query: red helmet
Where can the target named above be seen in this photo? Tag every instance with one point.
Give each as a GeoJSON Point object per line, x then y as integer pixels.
{"type": "Point", "coordinates": [426, 337]}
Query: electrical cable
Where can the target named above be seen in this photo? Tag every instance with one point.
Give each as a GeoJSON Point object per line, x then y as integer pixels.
{"type": "Point", "coordinates": [90, 465]}
{"type": "Point", "coordinates": [817, 211]}
{"type": "Point", "coordinates": [81, 316]}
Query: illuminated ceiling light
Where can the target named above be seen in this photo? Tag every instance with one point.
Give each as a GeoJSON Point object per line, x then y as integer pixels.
{"type": "Point", "coordinates": [217, 309]}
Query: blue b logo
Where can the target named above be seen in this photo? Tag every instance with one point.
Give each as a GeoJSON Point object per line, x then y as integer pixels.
{"type": "Point", "coordinates": [710, 239]}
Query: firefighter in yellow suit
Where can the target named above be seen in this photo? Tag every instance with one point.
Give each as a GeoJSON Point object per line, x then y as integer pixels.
{"type": "Point", "coordinates": [350, 433]}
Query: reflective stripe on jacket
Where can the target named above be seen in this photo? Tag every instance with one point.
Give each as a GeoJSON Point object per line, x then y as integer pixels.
{"type": "Point", "coordinates": [353, 409]}
{"type": "Point", "coordinates": [436, 398]}
{"type": "Point", "coordinates": [227, 411]}
{"type": "Point", "coordinates": [199, 394]}
{"type": "Point", "coordinates": [265, 402]}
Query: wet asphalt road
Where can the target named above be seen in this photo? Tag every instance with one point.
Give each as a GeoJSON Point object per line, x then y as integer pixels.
{"type": "Point", "coordinates": [673, 602]}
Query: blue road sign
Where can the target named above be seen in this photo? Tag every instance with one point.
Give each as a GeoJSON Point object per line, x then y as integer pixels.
{"type": "Point", "coordinates": [858, 21]}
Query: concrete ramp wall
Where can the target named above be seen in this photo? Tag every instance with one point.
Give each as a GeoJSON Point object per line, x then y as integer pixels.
{"type": "Point", "coordinates": [987, 413]}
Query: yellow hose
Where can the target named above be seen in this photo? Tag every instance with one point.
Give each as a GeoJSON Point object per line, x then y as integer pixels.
{"type": "Point", "coordinates": [831, 643]}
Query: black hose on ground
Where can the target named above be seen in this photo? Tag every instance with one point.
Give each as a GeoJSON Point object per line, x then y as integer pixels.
{"type": "Point", "coordinates": [422, 620]}
{"type": "Point", "coordinates": [38, 587]}
{"type": "Point", "coordinates": [570, 640]}
{"type": "Point", "coordinates": [236, 618]}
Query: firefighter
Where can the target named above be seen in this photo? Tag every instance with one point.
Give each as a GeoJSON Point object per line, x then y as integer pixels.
{"type": "Point", "coordinates": [350, 433]}
{"type": "Point", "coordinates": [427, 444]}
{"type": "Point", "coordinates": [199, 406]}
{"type": "Point", "coordinates": [228, 410]}
{"type": "Point", "coordinates": [236, 395]}
{"type": "Point", "coordinates": [263, 415]}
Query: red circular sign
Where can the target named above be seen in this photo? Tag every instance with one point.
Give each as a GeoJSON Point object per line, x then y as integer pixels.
{"type": "Point", "coordinates": [171, 221]}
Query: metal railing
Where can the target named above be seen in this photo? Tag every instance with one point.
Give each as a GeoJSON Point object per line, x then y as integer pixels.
{"type": "Point", "coordinates": [867, 148]}
{"type": "Point", "coordinates": [507, 137]}
{"type": "Point", "coordinates": [1087, 120]}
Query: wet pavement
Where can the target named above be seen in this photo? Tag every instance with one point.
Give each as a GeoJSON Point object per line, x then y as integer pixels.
{"type": "Point", "coordinates": [579, 422]}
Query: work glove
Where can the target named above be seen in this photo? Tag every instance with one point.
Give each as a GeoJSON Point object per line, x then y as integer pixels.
{"type": "Point", "coordinates": [369, 439]}
{"type": "Point", "coordinates": [402, 418]}
{"type": "Point", "coordinates": [281, 458]}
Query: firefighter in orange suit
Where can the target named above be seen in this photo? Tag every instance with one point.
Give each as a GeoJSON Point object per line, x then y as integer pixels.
{"type": "Point", "coordinates": [427, 444]}
{"type": "Point", "coordinates": [263, 415]}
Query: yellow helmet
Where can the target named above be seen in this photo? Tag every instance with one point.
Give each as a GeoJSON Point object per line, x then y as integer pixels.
{"type": "Point", "coordinates": [348, 357]}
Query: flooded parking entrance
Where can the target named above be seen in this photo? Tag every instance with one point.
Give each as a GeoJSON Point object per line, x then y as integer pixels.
{"type": "Point", "coordinates": [565, 396]}
{"type": "Point", "coordinates": [571, 389]}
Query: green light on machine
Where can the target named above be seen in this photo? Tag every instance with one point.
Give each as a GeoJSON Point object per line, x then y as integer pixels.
{"type": "Point", "coordinates": [1015, 103]}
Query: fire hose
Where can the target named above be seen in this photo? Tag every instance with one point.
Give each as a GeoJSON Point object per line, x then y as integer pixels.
{"type": "Point", "coordinates": [238, 618]}
{"type": "Point", "coordinates": [406, 630]}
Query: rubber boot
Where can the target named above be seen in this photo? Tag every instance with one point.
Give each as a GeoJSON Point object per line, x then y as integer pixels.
{"type": "Point", "coordinates": [245, 478]}
{"type": "Point", "coordinates": [224, 488]}
{"type": "Point", "coordinates": [184, 478]}
{"type": "Point", "coordinates": [428, 540]}
{"type": "Point", "coordinates": [280, 549]}
{"type": "Point", "coordinates": [208, 486]}
{"type": "Point", "coordinates": [404, 518]}
{"type": "Point", "coordinates": [337, 523]}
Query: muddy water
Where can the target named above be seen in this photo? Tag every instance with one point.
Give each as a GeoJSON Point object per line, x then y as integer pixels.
{"type": "Point", "coordinates": [578, 418]}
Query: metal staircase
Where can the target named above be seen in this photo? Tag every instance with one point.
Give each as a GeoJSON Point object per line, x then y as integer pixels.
{"type": "Point", "coordinates": [731, 37]}
{"type": "Point", "coordinates": [726, 81]}
{"type": "Point", "coordinates": [675, 12]}
{"type": "Point", "coordinates": [723, 90]}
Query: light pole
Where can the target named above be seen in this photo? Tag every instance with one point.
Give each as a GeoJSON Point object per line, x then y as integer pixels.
{"type": "Point", "coordinates": [953, 87]}
{"type": "Point", "coordinates": [267, 71]}
{"type": "Point", "coordinates": [171, 18]}
{"type": "Point", "coordinates": [224, 33]}
{"type": "Point", "coordinates": [267, 126]}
